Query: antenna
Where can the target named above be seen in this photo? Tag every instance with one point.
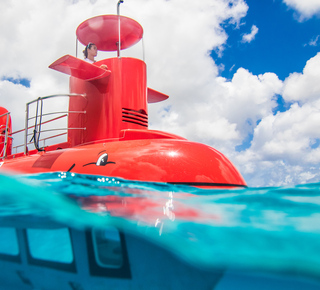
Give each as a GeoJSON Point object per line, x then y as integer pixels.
{"type": "Point", "coordinates": [118, 12]}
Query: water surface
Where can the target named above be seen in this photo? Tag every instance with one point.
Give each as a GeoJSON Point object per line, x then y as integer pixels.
{"type": "Point", "coordinates": [274, 230]}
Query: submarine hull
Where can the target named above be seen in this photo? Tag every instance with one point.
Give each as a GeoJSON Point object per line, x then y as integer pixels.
{"type": "Point", "coordinates": [176, 161]}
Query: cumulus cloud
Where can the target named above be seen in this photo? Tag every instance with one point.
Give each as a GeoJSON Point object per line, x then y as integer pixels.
{"type": "Point", "coordinates": [305, 8]}
{"type": "Point", "coordinates": [282, 148]}
{"type": "Point", "coordinates": [285, 147]}
{"type": "Point", "coordinates": [305, 86]}
{"type": "Point", "coordinates": [250, 36]}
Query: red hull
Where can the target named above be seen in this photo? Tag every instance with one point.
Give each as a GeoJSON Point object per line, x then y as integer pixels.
{"type": "Point", "coordinates": [165, 159]}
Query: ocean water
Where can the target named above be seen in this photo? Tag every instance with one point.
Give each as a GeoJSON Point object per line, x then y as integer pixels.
{"type": "Point", "coordinates": [274, 230]}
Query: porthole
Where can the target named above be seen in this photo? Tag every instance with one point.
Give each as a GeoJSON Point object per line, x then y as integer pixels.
{"type": "Point", "coordinates": [107, 247]}
{"type": "Point", "coordinates": [107, 253]}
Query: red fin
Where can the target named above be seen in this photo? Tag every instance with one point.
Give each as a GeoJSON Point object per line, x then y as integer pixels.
{"type": "Point", "coordinates": [79, 68]}
{"type": "Point", "coordinates": [155, 96]}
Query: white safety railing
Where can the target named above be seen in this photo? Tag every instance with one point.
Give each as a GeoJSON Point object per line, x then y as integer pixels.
{"type": "Point", "coordinates": [34, 121]}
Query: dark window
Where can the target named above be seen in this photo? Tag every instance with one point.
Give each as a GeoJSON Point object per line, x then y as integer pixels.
{"type": "Point", "coordinates": [50, 248]}
{"type": "Point", "coordinates": [50, 245]}
{"type": "Point", "coordinates": [9, 242]}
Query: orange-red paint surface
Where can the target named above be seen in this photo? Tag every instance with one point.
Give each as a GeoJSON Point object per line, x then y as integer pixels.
{"type": "Point", "coordinates": [159, 160]}
{"type": "Point", "coordinates": [3, 123]}
{"type": "Point", "coordinates": [109, 135]}
{"type": "Point", "coordinates": [103, 31]}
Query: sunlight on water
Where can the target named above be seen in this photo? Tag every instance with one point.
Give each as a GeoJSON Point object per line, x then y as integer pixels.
{"type": "Point", "coordinates": [269, 229]}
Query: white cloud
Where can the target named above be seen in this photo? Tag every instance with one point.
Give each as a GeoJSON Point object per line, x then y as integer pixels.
{"type": "Point", "coordinates": [250, 36]}
{"type": "Point", "coordinates": [304, 87]}
{"type": "Point", "coordinates": [282, 150]}
{"type": "Point", "coordinates": [314, 41]}
{"type": "Point", "coordinates": [305, 8]}
{"type": "Point", "coordinates": [222, 113]}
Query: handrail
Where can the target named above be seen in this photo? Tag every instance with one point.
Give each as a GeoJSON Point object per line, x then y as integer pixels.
{"type": "Point", "coordinates": [44, 139]}
{"type": "Point", "coordinates": [19, 131]}
{"type": "Point", "coordinates": [54, 113]}
{"type": "Point", "coordinates": [58, 129]}
{"type": "Point", "coordinates": [37, 127]}
{"type": "Point", "coordinates": [57, 95]}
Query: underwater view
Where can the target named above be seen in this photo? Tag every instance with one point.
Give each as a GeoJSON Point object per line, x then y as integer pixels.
{"type": "Point", "coordinates": [274, 231]}
{"type": "Point", "coordinates": [101, 198]}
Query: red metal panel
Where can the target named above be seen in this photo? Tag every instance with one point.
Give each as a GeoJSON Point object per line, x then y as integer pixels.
{"type": "Point", "coordinates": [158, 160]}
{"type": "Point", "coordinates": [155, 96]}
{"type": "Point", "coordinates": [3, 123]}
{"type": "Point", "coordinates": [147, 134]}
{"type": "Point", "coordinates": [104, 33]}
{"type": "Point", "coordinates": [104, 102]}
{"type": "Point", "coordinates": [79, 68]}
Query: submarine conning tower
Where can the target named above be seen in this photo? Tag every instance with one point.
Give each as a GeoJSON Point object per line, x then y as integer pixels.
{"type": "Point", "coordinates": [107, 100]}
{"type": "Point", "coordinates": [108, 119]}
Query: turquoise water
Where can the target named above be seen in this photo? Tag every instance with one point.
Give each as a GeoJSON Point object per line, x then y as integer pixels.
{"type": "Point", "coordinates": [274, 230]}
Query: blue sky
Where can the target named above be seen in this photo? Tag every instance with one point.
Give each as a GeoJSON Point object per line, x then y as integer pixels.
{"type": "Point", "coordinates": [21, 81]}
{"type": "Point", "coordinates": [282, 45]}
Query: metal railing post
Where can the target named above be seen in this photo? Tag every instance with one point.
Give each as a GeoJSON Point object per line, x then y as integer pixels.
{"type": "Point", "coordinates": [26, 129]}
{"type": "Point", "coordinates": [25, 143]}
{"type": "Point", "coordinates": [119, 28]}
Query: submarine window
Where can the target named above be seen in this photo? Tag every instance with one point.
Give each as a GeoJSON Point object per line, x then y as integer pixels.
{"type": "Point", "coordinates": [52, 245]}
{"type": "Point", "coordinates": [9, 241]}
{"type": "Point", "coordinates": [107, 247]}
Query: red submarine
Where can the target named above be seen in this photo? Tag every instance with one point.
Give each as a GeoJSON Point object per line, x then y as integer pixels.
{"type": "Point", "coordinates": [107, 130]}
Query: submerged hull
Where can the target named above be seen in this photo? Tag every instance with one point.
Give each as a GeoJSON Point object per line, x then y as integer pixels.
{"type": "Point", "coordinates": [132, 263]}
{"type": "Point", "coordinates": [45, 255]}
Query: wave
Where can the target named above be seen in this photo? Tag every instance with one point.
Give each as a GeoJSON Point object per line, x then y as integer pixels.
{"type": "Point", "coordinates": [270, 229]}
